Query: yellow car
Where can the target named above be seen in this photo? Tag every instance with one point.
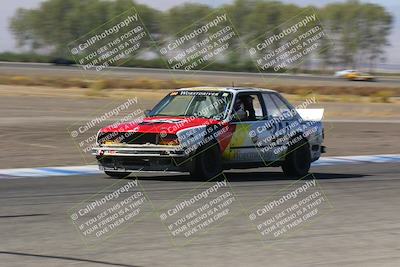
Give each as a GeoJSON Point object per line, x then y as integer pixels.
{"type": "Point", "coordinates": [359, 76]}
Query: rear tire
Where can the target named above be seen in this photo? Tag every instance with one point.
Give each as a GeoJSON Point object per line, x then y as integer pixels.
{"type": "Point", "coordinates": [207, 163]}
{"type": "Point", "coordinates": [298, 161]}
{"type": "Point", "coordinates": [117, 175]}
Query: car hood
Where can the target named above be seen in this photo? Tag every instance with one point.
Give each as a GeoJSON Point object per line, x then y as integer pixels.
{"type": "Point", "coordinates": [168, 125]}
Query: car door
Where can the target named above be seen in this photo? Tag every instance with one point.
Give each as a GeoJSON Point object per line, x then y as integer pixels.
{"type": "Point", "coordinates": [282, 124]}
{"type": "Point", "coordinates": [243, 144]}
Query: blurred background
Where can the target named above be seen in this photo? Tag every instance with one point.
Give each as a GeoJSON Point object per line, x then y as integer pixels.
{"type": "Point", "coordinates": [364, 32]}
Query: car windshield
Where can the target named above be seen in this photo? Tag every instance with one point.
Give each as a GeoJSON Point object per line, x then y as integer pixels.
{"type": "Point", "coordinates": [204, 104]}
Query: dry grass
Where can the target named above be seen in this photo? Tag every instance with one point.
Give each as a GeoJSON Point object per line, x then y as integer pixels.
{"type": "Point", "coordinates": [62, 82]}
{"type": "Point", "coordinates": [58, 82]}
{"type": "Point", "coordinates": [98, 87]}
{"type": "Point", "coordinates": [383, 96]}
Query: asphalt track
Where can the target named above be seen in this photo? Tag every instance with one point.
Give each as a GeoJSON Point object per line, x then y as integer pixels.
{"type": "Point", "coordinates": [361, 229]}
{"type": "Point", "coordinates": [45, 69]}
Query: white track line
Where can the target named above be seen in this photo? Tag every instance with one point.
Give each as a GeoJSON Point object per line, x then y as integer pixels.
{"type": "Point", "coordinates": [93, 169]}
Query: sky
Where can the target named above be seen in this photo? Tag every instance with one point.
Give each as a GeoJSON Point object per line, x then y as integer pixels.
{"type": "Point", "coordinates": [8, 8]}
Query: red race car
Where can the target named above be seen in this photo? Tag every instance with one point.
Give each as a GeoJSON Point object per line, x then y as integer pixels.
{"type": "Point", "coordinates": [207, 130]}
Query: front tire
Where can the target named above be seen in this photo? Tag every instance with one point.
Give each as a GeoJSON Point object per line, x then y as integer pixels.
{"type": "Point", "coordinates": [117, 175]}
{"type": "Point", "coordinates": [207, 163]}
{"type": "Point", "coordinates": [298, 161]}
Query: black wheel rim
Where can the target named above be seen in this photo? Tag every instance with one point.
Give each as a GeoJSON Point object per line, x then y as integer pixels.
{"type": "Point", "coordinates": [209, 161]}
{"type": "Point", "coordinates": [301, 158]}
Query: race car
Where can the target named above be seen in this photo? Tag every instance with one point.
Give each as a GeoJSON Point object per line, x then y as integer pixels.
{"type": "Point", "coordinates": [206, 130]}
{"type": "Point", "coordinates": [343, 73]}
{"type": "Point", "coordinates": [359, 76]}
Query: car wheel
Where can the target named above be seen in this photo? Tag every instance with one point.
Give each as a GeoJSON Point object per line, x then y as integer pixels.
{"type": "Point", "coordinates": [207, 163]}
{"type": "Point", "coordinates": [298, 160]}
{"type": "Point", "coordinates": [117, 175]}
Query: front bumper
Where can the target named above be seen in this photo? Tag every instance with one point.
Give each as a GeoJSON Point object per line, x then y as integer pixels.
{"type": "Point", "coordinates": [139, 151]}
{"type": "Point", "coordinates": [125, 158]}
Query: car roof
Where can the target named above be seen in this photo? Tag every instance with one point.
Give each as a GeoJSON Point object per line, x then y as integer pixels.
{"type": "Point", "coordinates": [226, 89]}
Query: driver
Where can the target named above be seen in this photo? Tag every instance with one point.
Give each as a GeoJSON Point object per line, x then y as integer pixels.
{"type": "Point", "coordinates": [249, 107]}
{"type": "Point", "coordinates": [239, 110]}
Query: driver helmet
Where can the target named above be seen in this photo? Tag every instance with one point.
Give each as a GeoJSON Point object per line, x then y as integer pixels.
{"type": "Point", "coordinates": [238, 106]}
{"type": "Point", "coordinates": [239, 110]}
